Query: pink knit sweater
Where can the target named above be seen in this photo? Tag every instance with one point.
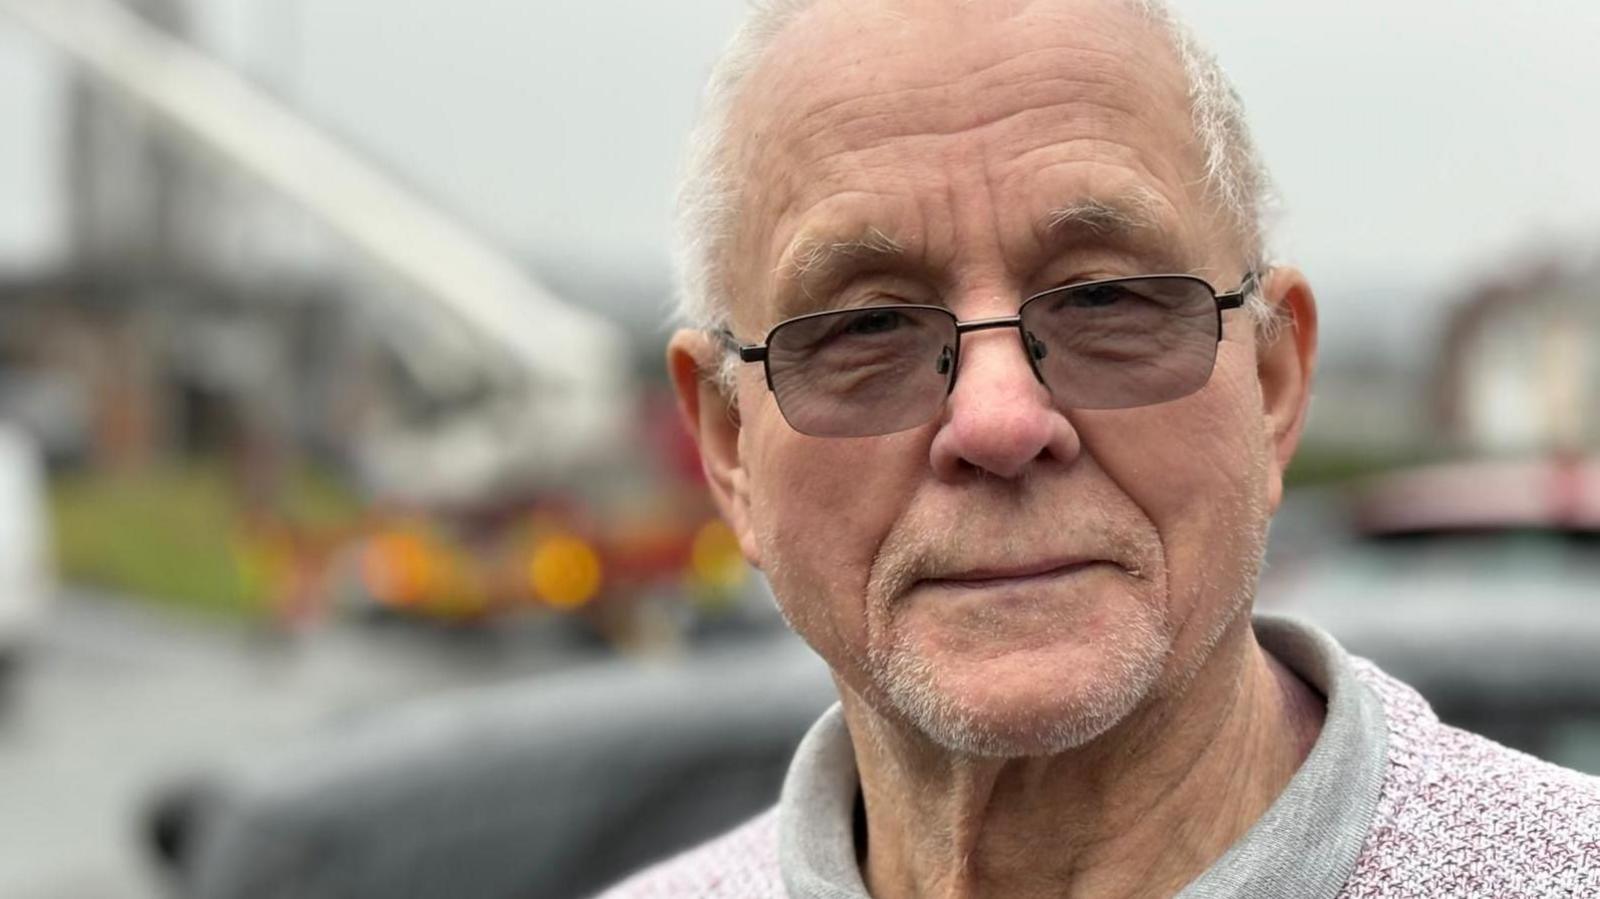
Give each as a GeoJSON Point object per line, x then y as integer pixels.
{"type": "Point", "coordinates": [1457, 816]}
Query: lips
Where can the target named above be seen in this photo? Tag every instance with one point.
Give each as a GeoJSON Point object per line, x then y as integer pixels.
{"type": "Point", "coordinates": [1012, 575]}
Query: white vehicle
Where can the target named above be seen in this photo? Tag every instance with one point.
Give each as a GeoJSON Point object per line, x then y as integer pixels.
{"type": "Point", "coordinates": [26, 580]}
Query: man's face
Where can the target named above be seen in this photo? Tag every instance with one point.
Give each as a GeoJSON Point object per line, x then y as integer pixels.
{"type": "Point", "coordinates": [1013, 577]}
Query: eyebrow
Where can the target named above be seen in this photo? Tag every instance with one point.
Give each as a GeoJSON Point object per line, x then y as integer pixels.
{"type": "Point", "coordinates": [1101, 217]}
{"type": "Point", "coordinates": [812, 256]}
{"type": "Point", "coordinates": [817, 262]}
{"type": "Point", "coordinates": [1128, 221]}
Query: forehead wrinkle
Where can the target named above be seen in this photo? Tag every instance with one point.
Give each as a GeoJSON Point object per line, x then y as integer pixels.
{"type": "Point", "coordinates": [957, 106]}
{"type": "Point", "coordinates": [1094, 67]}
{"type": "Point", "coordinates": [844, 137]}
{"type": "Point", "coordinates": [1116, 203]}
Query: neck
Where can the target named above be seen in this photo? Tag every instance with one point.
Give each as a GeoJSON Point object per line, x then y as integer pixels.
{"type": "Point", "coordinates": [1140, 811]}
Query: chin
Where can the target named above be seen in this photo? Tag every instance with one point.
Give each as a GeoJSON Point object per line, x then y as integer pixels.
{"type": "Point", "coordinates": [1038, 700]}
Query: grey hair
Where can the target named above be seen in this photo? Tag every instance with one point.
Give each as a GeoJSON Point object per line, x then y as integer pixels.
{"type": "Point", "coordinates": [709, 196]}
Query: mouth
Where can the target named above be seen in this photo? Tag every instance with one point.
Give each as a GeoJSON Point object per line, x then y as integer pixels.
{"type": "Point", "coordinates": [988, 578]}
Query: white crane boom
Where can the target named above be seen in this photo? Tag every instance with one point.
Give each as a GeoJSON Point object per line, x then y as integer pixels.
{"type": "Point", "coordinates": [563, 370]}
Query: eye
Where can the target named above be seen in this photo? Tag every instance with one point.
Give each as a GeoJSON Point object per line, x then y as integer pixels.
{"type": "Point", "coordinates": [1095, 297]}
{"type": "Point", "coordinates": [874, 321]}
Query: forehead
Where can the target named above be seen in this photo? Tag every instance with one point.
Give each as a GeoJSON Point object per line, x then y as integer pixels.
{"type": "Point", "coordinates": [950, 125]}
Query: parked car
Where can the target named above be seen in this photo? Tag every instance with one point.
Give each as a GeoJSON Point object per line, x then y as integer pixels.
{"type": "Point", "coordinates": [550, 788]}
{"type": "Point", "coordinates": [26, 582]}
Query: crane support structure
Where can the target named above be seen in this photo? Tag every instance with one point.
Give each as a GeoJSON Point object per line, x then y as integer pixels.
{"type": "Point", "coordinates": [561, 373]}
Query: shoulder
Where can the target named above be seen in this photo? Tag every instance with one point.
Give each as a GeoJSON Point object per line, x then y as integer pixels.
{"type": "Point", "coordinates": [1462, 815]}
{"type": "Point", "coordinates": [741, 864]}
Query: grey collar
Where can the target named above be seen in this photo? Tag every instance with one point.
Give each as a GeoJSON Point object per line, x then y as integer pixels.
{"type": "Point", "coordinates": [1306, 845]}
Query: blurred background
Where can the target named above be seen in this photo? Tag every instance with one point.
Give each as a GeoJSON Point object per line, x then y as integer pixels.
{"type": "Point", "coordinates": [350, 546]}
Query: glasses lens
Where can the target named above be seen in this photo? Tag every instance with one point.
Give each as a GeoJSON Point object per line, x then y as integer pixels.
{"type": "Point", "coordinates": [862, 372]}
{"type": "Point", "coordinates": [1117, 344]}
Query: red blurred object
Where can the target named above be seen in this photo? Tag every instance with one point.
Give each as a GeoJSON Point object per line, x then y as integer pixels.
{"type": "Point", "coordinates": [1559, 493]}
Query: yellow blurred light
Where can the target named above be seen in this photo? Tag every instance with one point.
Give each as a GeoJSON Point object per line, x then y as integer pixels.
{"type": "Point", "coordinates": [564, 572]}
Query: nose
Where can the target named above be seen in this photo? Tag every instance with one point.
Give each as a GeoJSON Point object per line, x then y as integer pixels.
{"type": "Point", "coordinates": [1000, 419]}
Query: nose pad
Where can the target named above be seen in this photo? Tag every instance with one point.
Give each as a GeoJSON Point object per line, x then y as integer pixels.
{"type": "Point", "coordinates": [1036, 352]}
{"type": "Point", "coordinates": [1036, 347]}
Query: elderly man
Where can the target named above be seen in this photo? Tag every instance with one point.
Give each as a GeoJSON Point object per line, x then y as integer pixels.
{"type": "Point", "coordinates": [994, 382]}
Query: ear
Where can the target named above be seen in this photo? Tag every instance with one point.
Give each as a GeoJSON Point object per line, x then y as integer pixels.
{"type": "Point", "coordinates": [712, 419]}
{"type": "Point", "coordinates": [1285, 366]}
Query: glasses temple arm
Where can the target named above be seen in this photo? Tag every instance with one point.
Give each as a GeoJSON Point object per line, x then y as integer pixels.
{"type": "Point", "coordinates": [1237, 298]}
{"type": "Point", "coordinates": [757, 353]}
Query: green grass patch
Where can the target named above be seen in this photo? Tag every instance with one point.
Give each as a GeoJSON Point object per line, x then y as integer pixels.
{"type": "Point", "coordinates": [1319, 467]}
{"type": "Point", "coordinates": [179, 535]}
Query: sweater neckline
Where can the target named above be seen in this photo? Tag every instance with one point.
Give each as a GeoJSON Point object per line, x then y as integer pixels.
{"type": "Point", "coordinates": [1306, 844]}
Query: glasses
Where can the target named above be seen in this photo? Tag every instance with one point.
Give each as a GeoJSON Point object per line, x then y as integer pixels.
{"type": "Point", "coordinates": [1111, 344]}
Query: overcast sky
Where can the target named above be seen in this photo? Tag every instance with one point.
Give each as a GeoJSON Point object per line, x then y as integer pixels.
{"type": "Point", "coordinates": [1415, 143]}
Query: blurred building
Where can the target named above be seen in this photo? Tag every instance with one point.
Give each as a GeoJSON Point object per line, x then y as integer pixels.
{"type": "Point", "coordinates": [1519, 365]}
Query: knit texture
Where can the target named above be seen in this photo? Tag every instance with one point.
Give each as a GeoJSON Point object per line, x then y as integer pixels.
{"type": "Point", "coordinates": [1459, 816]}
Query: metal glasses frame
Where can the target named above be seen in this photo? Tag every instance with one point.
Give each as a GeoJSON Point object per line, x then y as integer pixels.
{"type": "Point", "coordinates": [951, 361]}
